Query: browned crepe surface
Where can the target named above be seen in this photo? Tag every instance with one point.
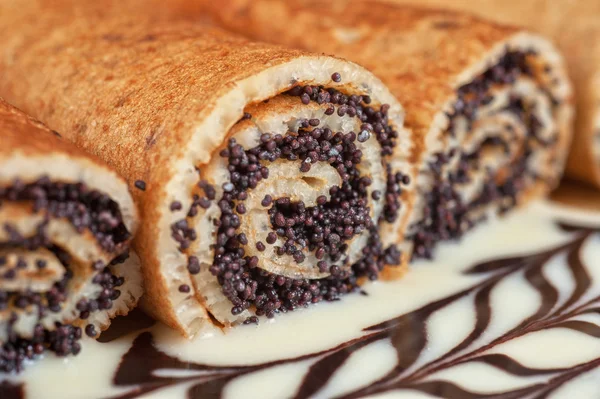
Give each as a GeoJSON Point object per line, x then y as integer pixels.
{"type": "Point", "coordinates": [416, 61]}
{"type": "Point", "coordinates": [19, 132]}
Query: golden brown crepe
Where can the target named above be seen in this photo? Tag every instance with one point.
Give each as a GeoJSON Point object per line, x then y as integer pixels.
{"type": "Point", "coordinates": [267, 178]}
{"type": "Point", "coordinates": [575, 27]}
{"type": "Point", "coordinates": [490, 103]}
{"type": "Point", "coordinates": [66, 220]}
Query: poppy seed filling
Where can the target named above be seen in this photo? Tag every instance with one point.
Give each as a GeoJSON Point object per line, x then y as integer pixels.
{"type": "Point", "coordinates": [83, 207]}
{"type": "Point", "coordinates": [446, 215]}
{"type": "Point", "coordinates": [325, 229]}
{"type": "Point", "coordinates": [86, 210]}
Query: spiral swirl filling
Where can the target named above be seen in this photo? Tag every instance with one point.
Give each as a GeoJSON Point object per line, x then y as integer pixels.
{"type": "Point", "coordinates": [498, 143]}
{"type": "Point", "coordinates": [48, 284]}
{"type": "Point", "coordinates": [289, 213]}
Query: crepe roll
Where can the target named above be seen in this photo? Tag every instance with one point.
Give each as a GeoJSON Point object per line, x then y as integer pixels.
{"type": "Point", "coordinates": [491, 105]}
{"type": "Point", "coordinates": [268, 179]}
{"type": "Point", "coordinates": [66, 221]}
{"type": "Point", "coordinates": [574, 26]}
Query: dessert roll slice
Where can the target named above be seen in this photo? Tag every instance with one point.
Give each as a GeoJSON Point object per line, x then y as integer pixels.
{"type": "Point", "coordinates": [579, 42]}
{"type": "Point", "coordinates": [66, 220]}
{"type": "Point", "coordinates": [490, 104]}
{"type": "Point", "coordinates": [268, 179]}
{"type": "Point", "coordinates": [299, 204]}
{"type": "Point", "coordinates": [502, 139]}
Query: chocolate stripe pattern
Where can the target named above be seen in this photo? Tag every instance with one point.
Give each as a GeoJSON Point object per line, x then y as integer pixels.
{"type": "Point", "coordinates": [409, 337]}
{"type": "Point", "coordinates": [520, 324]}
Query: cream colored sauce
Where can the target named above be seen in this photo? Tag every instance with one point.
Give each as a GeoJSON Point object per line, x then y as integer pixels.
{"type": "Point", "coordinates": [327, 325]}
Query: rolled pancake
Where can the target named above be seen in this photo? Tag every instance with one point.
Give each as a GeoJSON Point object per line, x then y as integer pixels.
{"type": "Point", "coordinates": [268, 179]}
{"type": "Point", "coordinates": [66, 220]}
{"type": "Point", "coordinates": [491, 104]}
{"type": "Point", "coordinates": [574, 26]}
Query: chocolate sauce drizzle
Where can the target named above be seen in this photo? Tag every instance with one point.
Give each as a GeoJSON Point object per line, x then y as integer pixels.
{"type": "Point", "coordinates": [9, 390]}
{"type": "Point", "coordinates": [408, 335]}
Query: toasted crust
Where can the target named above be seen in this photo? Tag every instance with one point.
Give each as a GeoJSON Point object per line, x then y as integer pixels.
{"type": "Point", "coordinates": [153, 100]}
{"type": "Point", "coordinates": [409, 48]}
